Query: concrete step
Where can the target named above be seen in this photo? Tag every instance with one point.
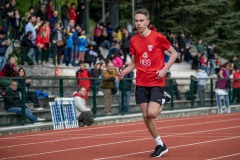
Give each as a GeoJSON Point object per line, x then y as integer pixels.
{"type": "Point", "coordinates": [116, 119]}
{"type": "Point", "coordinates": [9, 118]}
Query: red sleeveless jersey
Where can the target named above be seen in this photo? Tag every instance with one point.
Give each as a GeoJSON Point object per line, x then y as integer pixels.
{"type": "Point", "coordinates": [149, 53]}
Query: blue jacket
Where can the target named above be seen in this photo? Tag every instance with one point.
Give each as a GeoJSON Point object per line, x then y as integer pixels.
{"type": "Point", "coordinates": [70, 39]}
{"type": "Point", "coordinates": [82, 41]}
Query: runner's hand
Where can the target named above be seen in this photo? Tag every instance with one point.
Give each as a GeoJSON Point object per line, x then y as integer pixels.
{"type": "Point", "coordinates": [121, 74]}
{"type": "Point", "coordinates": [161, 73]}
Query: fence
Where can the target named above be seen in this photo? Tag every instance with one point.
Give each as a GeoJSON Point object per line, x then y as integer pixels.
{"type": "Point", "coordinates": [65, 86]}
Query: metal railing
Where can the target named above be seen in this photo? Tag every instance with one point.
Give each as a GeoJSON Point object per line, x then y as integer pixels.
{"type": "Point", "coordinates": [65, 86]}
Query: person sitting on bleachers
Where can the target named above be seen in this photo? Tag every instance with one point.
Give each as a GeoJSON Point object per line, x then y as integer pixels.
{"type": "Point", "coordinates": [23, 87]}
{"type": "Point", "coordinates": [12, 102]}
{"type": "Point", "coordinates": [84, 113]}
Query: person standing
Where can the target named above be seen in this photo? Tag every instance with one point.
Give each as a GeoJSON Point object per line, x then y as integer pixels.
{"type": "Point", "coordinates": [211, 58]}
{"type": "Point", "coordinates": [236, 85]}
{"type": "Point", "coordinates": [3, 48]}
{"type": "Point", "coordinates": [125, 88]}
{"type": "Point", "coordinates": [202, 79]}
{"type": "Point", "coordinates": [83, 76]}
{"type": "Point", "coordinates": [108, 82]}
{"type": "Point", "coordinates": [147, 49]}
{"type": "Point", "coordinates": [221, 89]}
{"type": "Point", "coordinates": [65, 14]}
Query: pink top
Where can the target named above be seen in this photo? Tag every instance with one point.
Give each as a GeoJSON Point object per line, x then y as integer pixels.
{"type": "Point", "coordinates": [117, 62]}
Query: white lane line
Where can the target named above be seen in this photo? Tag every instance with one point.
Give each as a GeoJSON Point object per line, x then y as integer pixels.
{"type": "Point", "coordinates": [119, 125]}
{"type": "Point", "coordinates": [185, 145]}
{"type": "Point", "coordinates": [116, 133]}
{"type": "Point", "coordinates": [231, 155]}
{"type": "Point", "coordinates": [120, 142]}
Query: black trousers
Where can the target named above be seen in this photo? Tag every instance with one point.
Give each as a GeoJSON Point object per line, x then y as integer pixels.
{"type": "Point", "coordinates": [86, 118]}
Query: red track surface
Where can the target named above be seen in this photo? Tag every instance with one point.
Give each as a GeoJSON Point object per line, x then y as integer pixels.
{"type": "Point", "coordinates": [192, 138]}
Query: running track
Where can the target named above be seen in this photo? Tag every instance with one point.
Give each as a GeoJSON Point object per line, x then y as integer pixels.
{"type": "Point", "coordinates": [214, 137]}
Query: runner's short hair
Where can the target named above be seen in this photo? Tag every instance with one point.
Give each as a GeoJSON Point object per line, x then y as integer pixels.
{"type": "Point", "coordinates": [142, 11]}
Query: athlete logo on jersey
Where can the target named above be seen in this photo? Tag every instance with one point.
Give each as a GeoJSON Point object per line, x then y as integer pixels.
{"type": "Point", "coordinates": [145, 61]}
{"type": "Point", "coordinates": [145, 55]}
{"type": "Point", "coordinates": [150, 47]}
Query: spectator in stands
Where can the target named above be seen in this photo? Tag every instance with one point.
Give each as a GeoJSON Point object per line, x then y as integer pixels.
{"type": "Point", "coordinates": [42, 13]}
{"type": "Point", "coordinates": [7, 13]}
{"type": "Point", "coordinates": [109, 28]}
{"type": "Point", "coordinates": [49, 9]}
{"type": "Point", "coordinates": [85, 74]}
{"type": "Point", "coordinates": [104, 40]}
{"type": "Point", "coordinates": [129, 27]}
{"type": "Point", "coordinates": [24, 89]}
{"type": "Point", "coordinates": [203, 61]}
{"type": "Point", "coordinates": [72, 12]}
{"type": "Point", "coordinates": [172, 86]}
{"type": "Point", "coordinates": [27, 53]}
{"type": "Point", "coordinates": [54, 19]}
{"type": "Point", "coordinates": [12, 103]}
{"type": "Point", "coordinates": [182, 45]}
{"type": "Point", "coordinates": [108, 83]}
{"type": "Point", "coordinates": [211, 58]}
{"type": "Point", "coordinates": [97, 33]}
{"type": "Point", "coordinates": [126, 44]}
{"type": "Point", "coordinates": [75, 44]}
{"type": "Point", "coordinates": [84, 114]}
{"type": "Point", "coordinates": [188, 56]}
{"type": "Point", "coordinates": [16, 23]}
{"type": "Point", "coordinates": [45, 28]}
{"type": "Point", "coordinates": [172, 38]}
{"type": "Point", "coordinates": [236, 85]}
{"type": "Point", "coordinates": [13, 4]}
{"type": "Point", "coordinates": [90, 55]}
{"type": "Point", "coordinates": [201, 85]}
{"type": "Point", "coordinates": [119, 34]}
{"type": "Point", "coordinates": [115, 49]}
{"type": "Point", "coordinates": [31, 11]}
{"type": "Point", "coordinates": [41, 46]}
{"type": "Point", "coordinates": [10, 68]}
{"type": "Point", "coordinates": [3, 47]}
{"type": "Point", "coordinates": [117, 60]}
{"type": "Point", "coordinates": [39, 4]}
{"type": "Point", "coordinates": [125, 88]}
{"type": "Point", "coordinates": [80, 14]}
{"type": "Point", "coordinates": [38, 23]}
{"type": "Point", "coordinates": [97, 72]}
{"type": "Point", "coordinates": [65, 14]}
{"type": "Point", "coordinates": [196, 61]}
{"type": "Point", "coordinates": [68, 49]}
{"type": "Point", "coordinates": [58, 41]}
{"type": "Point", "coordinates": [30, 27]}
{"type": "Point", "coordinates": [200, 46]}
{"type": "Point", "coordinates": [218, 62]}
{"type": "Point", "coordinates": [221, 88]}
{"type": "Point", "coordinates": [82, 42]}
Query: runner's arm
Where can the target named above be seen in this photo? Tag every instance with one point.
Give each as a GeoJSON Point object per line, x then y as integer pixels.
{"type": "Point", "coordinates": [129, 68]}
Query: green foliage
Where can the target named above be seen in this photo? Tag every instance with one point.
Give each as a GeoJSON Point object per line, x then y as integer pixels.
{"type": "Point", "coordinates": [213, 21]}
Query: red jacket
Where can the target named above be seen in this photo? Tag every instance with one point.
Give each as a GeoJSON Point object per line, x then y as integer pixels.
{"type": "Point", "coordinates": [73, 15]}
{"type": "Point", "coordinates": [236, 82]}
{"type": "Point", "coordinates": [83, 74]}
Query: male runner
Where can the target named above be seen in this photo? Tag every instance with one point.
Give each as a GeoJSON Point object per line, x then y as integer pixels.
{"type": "Point", "coordinates": [147, 49]}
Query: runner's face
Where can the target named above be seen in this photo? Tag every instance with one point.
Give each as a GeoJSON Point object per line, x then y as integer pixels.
{"type": "Point", "coordinates": [141, 22]}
